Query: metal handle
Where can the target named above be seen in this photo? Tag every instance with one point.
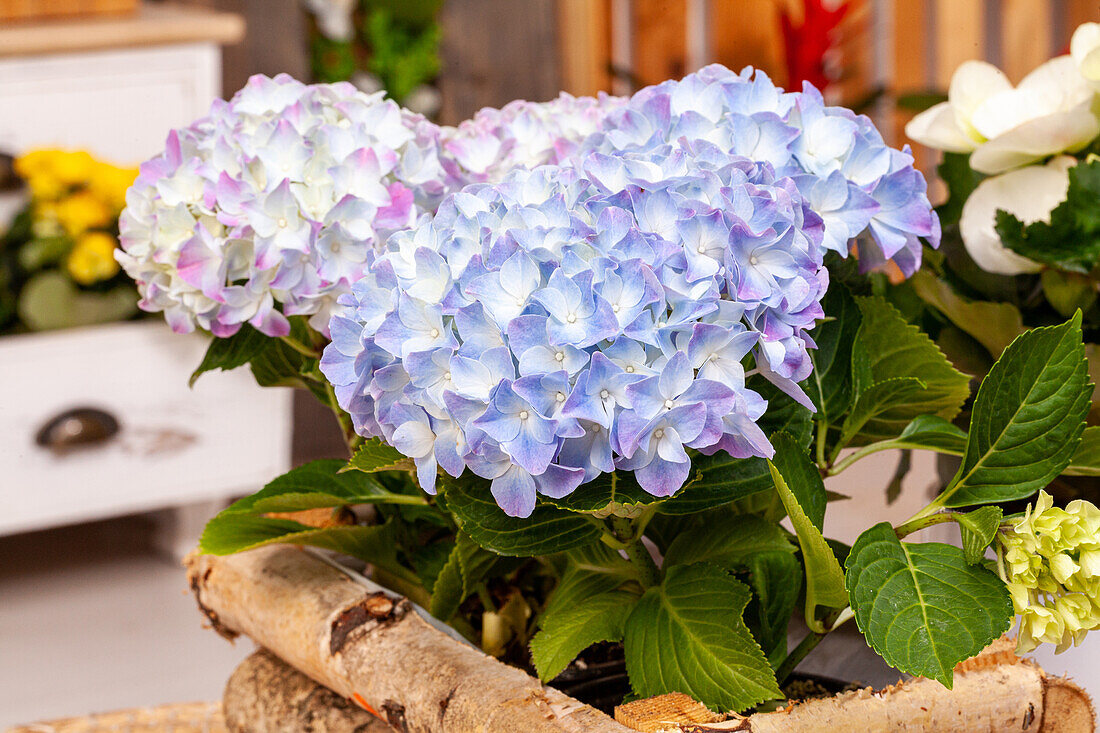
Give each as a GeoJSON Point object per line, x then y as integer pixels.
{"type": "Point", "coordinates": [77, 427]}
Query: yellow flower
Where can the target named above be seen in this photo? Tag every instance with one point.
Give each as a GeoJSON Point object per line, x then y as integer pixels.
{"type": "Point", "coordinates": [110, 184]}
{"type": "Point", "coordinates": [73, 168]}
{"type": "Point", "coordinates": [92, 258]}
{"type": "Point", "coordinates": [82, 211]}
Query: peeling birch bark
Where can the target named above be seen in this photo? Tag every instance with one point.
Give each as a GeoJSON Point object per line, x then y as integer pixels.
{"type": "Point", "coordinates": [373, 648]}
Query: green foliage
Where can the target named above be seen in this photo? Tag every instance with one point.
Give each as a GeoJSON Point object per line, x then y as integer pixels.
{"type": "Point", "coordinates": [618, 491]}
{"type": "Point", "coordinates": [568, 632]}
{"type": "Point", "coordinates": [1086, 459]}
{"type": "Point", "coordinates": [314, 485]}
{"type": "Point", "coordinates": [687, 635]}
{"type": "Point", "coordinates": [776, 580]}
{"type": "Point", "coordinates": [467, 565]}
{"type": "Point", "coordinates": [231, 532]}
{"type": "Point", "coordinates": [50, 300]}
{"type": "Point", "coordinates": [824, 578]}
{"type": "Point", "coordinates": [1068, 292]}
{"type": "Point", "coordinates": [889, 349]}
{"type": "Point", "coordinates": [374, 456]}
{"type": "Point", "coordinates": [401, 56]}
{"type": "Point", "coordinates": [717, 480]}
{"type": "Point", "coordinates": [1027, 419]}
{"type": "Point", "coordinates": [1071, 239]}
{"type": "Point", "coordinates": [801, 477]}
{"type": "Point", "coordinates": [961, 181]}
{"type": "Point", "coordinates": [830, 383]}
{"type": "Point", "coordinates": [546, 531]}
{"type": "Point", "coordinates": [922, 607]}
{"type": "Point", "coordinates": [978, 529]}
{"type": "Point", "coordinates": [728, 540]}
{"type": "Point", "coordinates": [590, 570]}
{"type": "Point", "coordinates": [232, 352]}
{"type": "Point", "coordinates": [991, 324]}
{"type": "Point", "coordinates": [929, 432]}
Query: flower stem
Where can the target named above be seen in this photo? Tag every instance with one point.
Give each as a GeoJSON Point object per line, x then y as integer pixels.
{"type": "Point", "coordinates": [799, 653]}
{"type": "Point", "coordinates": [647, 569]}
{"type": "Point", "coordinates": [920, 522]}
{"type": "Point", "coordinates": [300, 347]}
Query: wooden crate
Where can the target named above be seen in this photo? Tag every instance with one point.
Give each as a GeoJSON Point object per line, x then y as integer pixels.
{"type": "Point", "coordinates": [25, 10]}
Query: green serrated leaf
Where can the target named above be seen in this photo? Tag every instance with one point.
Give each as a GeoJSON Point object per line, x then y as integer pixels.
{"type": "Point", "coordinates": [894, 349]}
{"type": "Point", "coordinates": [776, 579]}
{"type": "Point", "coordinates": [921, 606]}
{"type": "Point", "coordinates": [466, 566]}
{"type": "Point", "coordinates": [830, 383]}
{"type": "Point", "coordinates": [824, 578]}
{"type": "Point", "coordinates": [589, 571]}
{"type": "Point", "coordinates": [232, 352]}
{"type": "Point", "coordinates": [546, 531]}
{"type": "Point", "coordinates": [717, 480]}
{"type": "Point", "coordinates": [687, 635]}
{"type": "Point", "coordinates": [562, 636]}
{"type": "Point", "coordinates": [1086, 459]}
{"type": "Point", "coordinates": [929, 432]}
{"type": "Point", "coordinates": [1070, 238]}
{"type": "Point", "coordinates": [1027, 419]}
{"type": "Point", "coordinates": [978, 528]}
{"type": "Point", "coordinates": [802, 478]}
{"type": "Point", "coordinates": [374, 456]}
{"type": "Point", "coordinates": [317, 484]}
{"type": "Point", "coordinates": [877, 399]}
{"type": "Point", "coordinates": [615, 490]}
{"type": "Point", "coordinates": [231, 532]}
{"type": "Point", "coordinates": [729, 542]}
{"type": "Point", "coordinates": [991, 324]}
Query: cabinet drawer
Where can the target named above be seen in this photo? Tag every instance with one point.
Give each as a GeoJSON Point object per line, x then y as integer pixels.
{"type": "Point", "coordinates": [174, 446]}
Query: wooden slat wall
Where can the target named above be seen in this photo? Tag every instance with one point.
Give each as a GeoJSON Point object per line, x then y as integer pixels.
{"type": "Point", "coordinates": [585, 41]}
{"type": "Point", "coordinates": [746, 33]}
{"type": "Point", "coordinates": [1026, 34]}
{"type": "Point", "coordinates": [659, 40]}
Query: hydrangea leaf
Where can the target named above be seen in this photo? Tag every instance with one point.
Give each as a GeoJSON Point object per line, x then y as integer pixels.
{"type": "Point", "coordinates": [1068, 291]}
{"type": "Point", "coordinates": [1086, 459]}
{"type": "Point", "coordinates": [1070, 240]}
{"type": "Point", "coordinates": [618, 490]}
{"type": "Point", "coordinates": [824, 578]}
{"type": "Point", "coordinates": [878, 399]}
{"type": "Point", "coordinates": [730, 542]}
{"type": "Point", "coordinates": [232, 352]}
{"type": "Point", "coordinates": [802, 478]}
{"type": "Point", "coordinates": [830, 384]}
{"type": "Point", "coordinates": [467, 565]}
{"type": "Point", "coordinates": [717, 480]}
{"type": "Point", "coordinates": [374, 456]}
{"type": "Point", "coordinates": [50, 300]}
{"type": "Point", "coordinates": [546, 531]}
{"type": "Point", "coordinates": [930, 432]}
{"type": "Point", "coordinates": [314, 485]}
{"type": "Point", "coordinates": [978, 528]}
{"type": "Point", "coordinates": [1027, 419]}
{"type": "Point", "coordinates": [688, 635]}
{"type": "Point", "coordinates": [565, 634]}
{"type": "Point", "coordinates": [922, 607]}
{"type": "Point", "coordinates": [590, 570]}
{"type": "Point", "coordinates": [776, 580]}
{"type": "Point", "coordinates": [231, 532]}
{"type": "Point", "coordinates": [991, 324]}
{"type": "Point", "coordinates": [891, 348]}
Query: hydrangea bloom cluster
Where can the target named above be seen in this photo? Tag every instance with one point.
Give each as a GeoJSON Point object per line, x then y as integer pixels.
{"type": "Point", "coordinates": [1051, 562]}
{"type": "Point", "coordinates": [523, 134]}
{"type": "Point", "coordinates": [862, 188]}
{"type": "Point", "coordinates": [570, 321]}
{"type": "Point", "coordinates": [278, 196]}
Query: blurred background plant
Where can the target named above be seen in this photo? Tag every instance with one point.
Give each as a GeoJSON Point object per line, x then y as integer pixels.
{"type": "Point", "coordinates": [390, 45]}
{"type": "Point", "coordinates": [57, 263]}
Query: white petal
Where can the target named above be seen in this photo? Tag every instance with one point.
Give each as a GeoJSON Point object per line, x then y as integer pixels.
{"type": "Point", "coordinates": [936, 127]}
{"type": "Point", "coordinates": [1029, 194]}
{"type": "Point", "coordinates": [1084, 48]}
{"type": "Point", "coordinates": [1060, 81]}
{"type": "Point", "coordinates": [972, 83]}
{"type": "Point", "coordinates": [1067, 131]}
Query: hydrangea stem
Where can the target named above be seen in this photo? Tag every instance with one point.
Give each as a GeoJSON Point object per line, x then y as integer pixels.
{"type": "Point", "coordinates": [799, 653]}
{"type": "Point", "coordinates": [640, 557]}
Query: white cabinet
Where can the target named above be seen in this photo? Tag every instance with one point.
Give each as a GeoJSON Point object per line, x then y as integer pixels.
{"type": "Point", "coordinates": [175, 446]}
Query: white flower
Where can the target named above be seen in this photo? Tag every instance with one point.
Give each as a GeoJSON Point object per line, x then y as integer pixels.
{"type": "Point", "coordinates": [1085, 50]}
{"type": "Point", "coordinates": [1030, 194]}
{"type": "Point", "coordinates": [1005, 127]}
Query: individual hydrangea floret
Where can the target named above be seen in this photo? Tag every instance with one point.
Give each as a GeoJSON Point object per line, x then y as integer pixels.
{"type": "Point", "coordinates": [1050, 560]}
{"type": "Point", "coordinates": [271, 205]}
{"type": "Point", "coordinates": [866, 192]}
{"type": "Point", "coordinates": [570, 321]}
{"type": "Point", "coordinates": [522, 134]}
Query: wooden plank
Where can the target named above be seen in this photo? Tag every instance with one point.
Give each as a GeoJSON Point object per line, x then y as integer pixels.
{"type": "Point", "coordinates": [660, 40]}
{"type": "Point", "coordinates": [495, 51]}
{"type": "Point", "coordinates": [155, 24]}
{"type": "Point", "coordinates": [1076, 13]}
{"type": "Point", "coordinates": [856, 47]}
{"type": "Point", "coordinates": [958, 36]}
{"type": "Point", "coordinates": [912, 68]}
{"type": "Point", "coordinates": [584, 37]}
{"type": "Point", "coordinates": [1026, 33]}
{"type": "Point", "coordinates": [747, 33]}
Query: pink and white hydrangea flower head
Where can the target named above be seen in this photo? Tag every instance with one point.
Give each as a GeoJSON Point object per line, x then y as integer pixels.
{"type": "Point", "coordinates": [272, 204]}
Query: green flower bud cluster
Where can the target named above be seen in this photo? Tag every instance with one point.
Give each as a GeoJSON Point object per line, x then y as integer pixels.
{"type": "Point", "coordinates": [1050, 560]}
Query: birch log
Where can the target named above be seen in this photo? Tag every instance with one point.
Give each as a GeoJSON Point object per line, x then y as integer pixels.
{"type": "Point", "coordinates": [373, 648]}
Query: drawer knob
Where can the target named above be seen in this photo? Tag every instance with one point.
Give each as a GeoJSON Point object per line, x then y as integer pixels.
{"type": "Point", "coordinates": [80, 426]}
